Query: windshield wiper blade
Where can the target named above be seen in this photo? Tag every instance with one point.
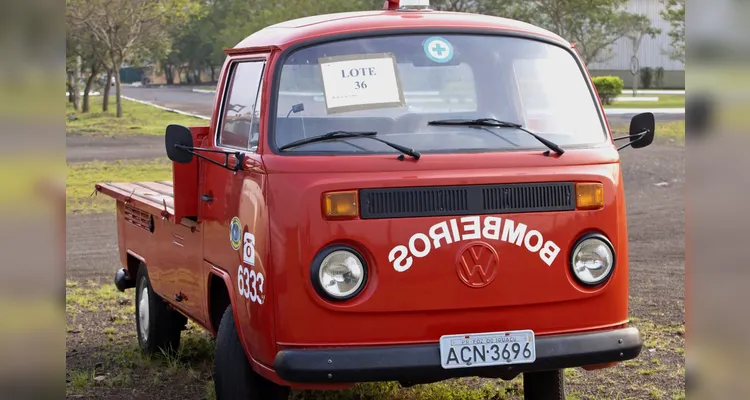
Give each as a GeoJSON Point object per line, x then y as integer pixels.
{"type": "Point", "coordinates": [353, 134]}
{"type": "Point", "coordinates": [501, 124]}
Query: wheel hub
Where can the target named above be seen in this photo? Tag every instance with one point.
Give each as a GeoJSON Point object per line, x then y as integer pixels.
{"type": "Point", "coordinates": [143, 313]}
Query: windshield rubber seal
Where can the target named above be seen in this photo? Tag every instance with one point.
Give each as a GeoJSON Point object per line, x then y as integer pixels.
{"type": "Point", "coordinates": [305, 43]}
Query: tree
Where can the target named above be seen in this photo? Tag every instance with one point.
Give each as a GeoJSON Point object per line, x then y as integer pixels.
{"type": "Point", "coordinates": [86, 56]}
{"type": "Point", "coordinates": [513, 9]}
{"type": "Point", "coordinates": [72, 67]}
{"type": "Point", "coordinates": [674, 13]}
{"type": "Point", "coordinates": [126, 28]}
{"type": "Point", "coordinates": [594, 25]}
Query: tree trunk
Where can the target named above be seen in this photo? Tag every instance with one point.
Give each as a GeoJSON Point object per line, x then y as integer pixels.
{"type": "Point", "coordinates": [89, 83]}
{"type": "Point", "coordinates": [105, 95]}
{"type": "Point", "coordinates": [168, 75]}
{"type": "Point", "coordinates": [197, 76]}
{"type": "Point", "coordinates": [70, 92]}
{"type": "Point", "coordinates": [74, 91]}
{"type": "Point", "coordinates": [118, 92]}
{"type": "Point", "coordinates": [213, 72]}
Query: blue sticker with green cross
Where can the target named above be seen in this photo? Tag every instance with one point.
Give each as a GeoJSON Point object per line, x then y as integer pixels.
{"type": "Point", "coordinates": [438, 49]}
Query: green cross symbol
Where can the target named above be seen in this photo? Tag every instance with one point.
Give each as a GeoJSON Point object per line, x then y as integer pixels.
{"type": "Point", "coordinates": [437, 48]}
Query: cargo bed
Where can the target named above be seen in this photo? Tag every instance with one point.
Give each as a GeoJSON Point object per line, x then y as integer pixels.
{"type": "Point", "coordinates": [154, 197]}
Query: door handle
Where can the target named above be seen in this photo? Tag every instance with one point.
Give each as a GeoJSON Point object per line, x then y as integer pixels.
{"type": "Point", "coordinates": [207, 198]}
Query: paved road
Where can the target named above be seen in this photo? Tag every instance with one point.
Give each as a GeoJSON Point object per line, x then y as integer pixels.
{"type": "Point", "coordinates": [178, 98]}
{"type": "Point", "coordinates": [184, 99]}
{"type": "Point", "coordinates": [81, 148]}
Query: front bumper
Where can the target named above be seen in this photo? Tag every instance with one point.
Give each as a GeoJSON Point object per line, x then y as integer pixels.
{"type": "Point", "coordinates": [416, 364]}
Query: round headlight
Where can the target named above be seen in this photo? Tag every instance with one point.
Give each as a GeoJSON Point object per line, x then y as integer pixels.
{"type": "Point", "coordinates": [341, 274]}
{"type": "Point", "coordinates": [592, 260]}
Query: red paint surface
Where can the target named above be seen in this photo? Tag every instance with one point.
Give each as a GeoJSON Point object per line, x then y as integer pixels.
{"type": "Point", "coordinates": [278, 199]}
{"type": "Point", "coordinates": [185, 177]}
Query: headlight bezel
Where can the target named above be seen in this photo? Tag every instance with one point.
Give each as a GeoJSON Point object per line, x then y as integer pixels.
{"type": "Point", "coordinates": [571, 260]}
{"type": "Point", "coordinates": [317, 263]}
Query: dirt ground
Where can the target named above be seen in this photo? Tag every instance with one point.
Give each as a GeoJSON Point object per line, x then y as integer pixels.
{"type": "Point", "coordinates": [102, 360]}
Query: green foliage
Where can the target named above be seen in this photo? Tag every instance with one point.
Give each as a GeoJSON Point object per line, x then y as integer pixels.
{"type": "Point", "coordinates": [454, 389]}
{"type": "Point", "coordinates": [659, 79]}
{"type": "Point", "coordinates": [647, 77]}
{"type": "Point", "coordinates": [608, 87]}
{"type": "Point", "coordinates": [674, 13]}
{"type": "Point", "coordinates": [82, 177]}
{"type": "Point", "coordinates": [137, 119]}
{"type": "Point", "coordinates": [189, 36]}
{"type": "Point", "coordinates": [594, 25]}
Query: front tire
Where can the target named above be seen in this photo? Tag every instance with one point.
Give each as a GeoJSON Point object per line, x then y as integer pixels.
{"type": "Point", "coordinates": [159, 327]}
{"type": "Point", "coordinates": [234, 378]}
{"type": "Point", "coordinates": [545, 385]}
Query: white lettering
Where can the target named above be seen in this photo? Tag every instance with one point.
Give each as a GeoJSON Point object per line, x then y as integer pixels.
{"type": "Point", "coordinates": [248, 248]}
{"type": "Point", "coordinates": [248, 290]}
{"type": "Point", "coordinates": [412, 245]}
{"type": "Point", "coordinates": [397, 261]}
{"type": "Point", "coordinates": [513, 235]}
{"type": "Point", "coordinates": [454, 229]}
{"type": "Point", "coordinates": [471, 225]}
{"type": "Point", "coordinates": [549, 252]}
{"type": "Point", "coordinates": [539, 241]}
{"type": "Point", "coordinates": [491, 229]}
{"type": "Point", "coordinates": [443, 234]}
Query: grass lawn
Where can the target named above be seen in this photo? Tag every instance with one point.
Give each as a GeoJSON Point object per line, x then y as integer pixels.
{"type": "Point", "coordinates": [79, 185]}
{"type": "Point", "coordinates": [137, 119]}
{"type": "Point", "coordinates": [671, 131]}
{"type": "Point", "coordinates": [665, 101]}
{"type": "Point", "coordinates": [100, 332]}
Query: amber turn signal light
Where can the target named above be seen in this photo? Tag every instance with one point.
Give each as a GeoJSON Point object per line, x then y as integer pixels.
{"type": "Point", "coordinates": [341, 204]}
{"type": "Point", "coordinates": [589, 196]}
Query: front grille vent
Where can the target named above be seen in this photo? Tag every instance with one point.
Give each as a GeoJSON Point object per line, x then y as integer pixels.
{"type": "Point", "coordinates": [466, 200]}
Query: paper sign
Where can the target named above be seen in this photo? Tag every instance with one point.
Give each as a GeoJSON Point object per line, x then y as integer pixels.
{"type": "Point", "coordinates": [361, 81]}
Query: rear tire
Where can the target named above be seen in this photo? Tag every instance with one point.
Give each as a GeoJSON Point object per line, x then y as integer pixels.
{"type": "Point", "coordinates": [545, 385]}
{"type": "Point", "coordinates": [158, 326]}
{"type": "Point", "coordinates": [234, 378]}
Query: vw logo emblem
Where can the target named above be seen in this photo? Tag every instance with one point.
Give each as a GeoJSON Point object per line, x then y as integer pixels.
{"type": "Point", "coordinates": [477, 264]}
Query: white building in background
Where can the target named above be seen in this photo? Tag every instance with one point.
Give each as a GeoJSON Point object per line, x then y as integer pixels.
{"type": "Point", "coordinates": [652, 53]}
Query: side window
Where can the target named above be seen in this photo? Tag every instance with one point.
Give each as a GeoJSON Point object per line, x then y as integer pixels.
{"type": "Point", "coordinates": [240, 121]}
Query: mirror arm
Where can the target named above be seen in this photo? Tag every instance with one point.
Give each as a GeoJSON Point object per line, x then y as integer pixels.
{"type": "Point", "coordinates": [638, 135]}
{"type": "Point", "coordinates": [624, 146]}
{"type": "Point", "coordinates": [191, 150]}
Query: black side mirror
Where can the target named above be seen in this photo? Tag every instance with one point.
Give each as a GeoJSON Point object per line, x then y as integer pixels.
{"type": "Point", "coordinates": [179, 142]}
{"type": "Point", "coordinates": [642, 129]}
{"type": "Point", "coordinates": [644, 126]}
{"type": "Point", "coordinates": [178, 139]}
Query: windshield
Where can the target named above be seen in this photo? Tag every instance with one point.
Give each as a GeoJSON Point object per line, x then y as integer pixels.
{"type": "Point", "coordinates": [396, 85]}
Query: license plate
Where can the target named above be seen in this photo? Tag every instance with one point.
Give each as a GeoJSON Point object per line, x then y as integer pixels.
{"type": "Point", "coordinates": [487, 349]}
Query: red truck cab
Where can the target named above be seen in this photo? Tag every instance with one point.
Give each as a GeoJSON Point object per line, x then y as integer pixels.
{"type": "Point", "coordinates": [395, 195]}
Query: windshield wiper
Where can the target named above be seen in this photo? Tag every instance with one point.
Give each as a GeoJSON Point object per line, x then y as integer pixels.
{"type": "Point", "coordinates": [352, 134]}
{"type": "Point", "coordinates": [501, 124]}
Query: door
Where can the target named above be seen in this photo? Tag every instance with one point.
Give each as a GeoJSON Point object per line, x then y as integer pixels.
{"type": "Point", "coordinates": [233, 208]}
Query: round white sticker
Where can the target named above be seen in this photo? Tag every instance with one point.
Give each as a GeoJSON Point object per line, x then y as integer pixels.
{"type": "Point", "coordinates": [438, 49]}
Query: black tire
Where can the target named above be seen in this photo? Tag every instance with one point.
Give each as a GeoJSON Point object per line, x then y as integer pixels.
{"type": "Point", "coordinates": [164, 325]}
{"type": "Point", "coordinates": [234, 378]}
{"type": "Point", "coordinates": [545, 385]}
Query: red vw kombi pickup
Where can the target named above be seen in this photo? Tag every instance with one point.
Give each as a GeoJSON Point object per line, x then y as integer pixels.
{"type": "Point", "coordinates": [396, 195]}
